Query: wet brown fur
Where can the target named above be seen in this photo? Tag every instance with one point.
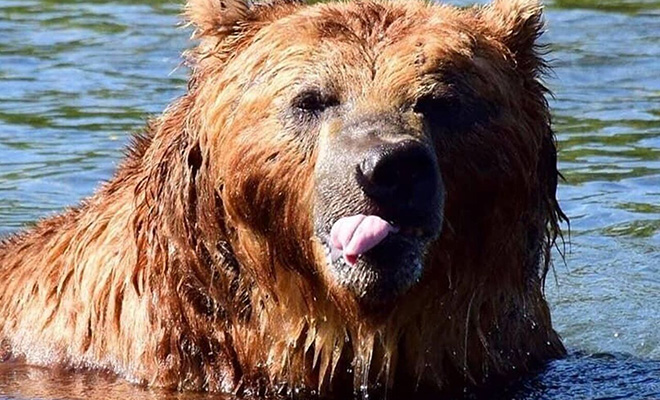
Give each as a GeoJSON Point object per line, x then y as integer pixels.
{"type": "Point", "coordinates": [195, 266]}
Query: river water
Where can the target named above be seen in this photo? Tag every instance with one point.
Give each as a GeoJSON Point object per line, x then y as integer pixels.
{"type": "Point", "coordinates": [77, 76]}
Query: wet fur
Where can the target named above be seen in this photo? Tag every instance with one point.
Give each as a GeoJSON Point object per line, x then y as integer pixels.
{"type": "Point", "coordinates": [195, 266]}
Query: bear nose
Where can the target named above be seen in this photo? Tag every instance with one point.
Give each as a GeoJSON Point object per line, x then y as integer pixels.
{"type": "Point", "coordinates": [401, 176]}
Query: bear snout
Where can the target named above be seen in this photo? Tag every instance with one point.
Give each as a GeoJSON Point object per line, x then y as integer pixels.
{"type": "Point", "coordinates": [403, 178]}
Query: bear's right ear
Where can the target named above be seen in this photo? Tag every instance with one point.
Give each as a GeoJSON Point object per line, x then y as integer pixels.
{"type": "Point", "coordinates": [217, 18]}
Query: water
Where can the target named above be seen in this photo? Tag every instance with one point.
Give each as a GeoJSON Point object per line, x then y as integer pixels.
{"type": "Point", "coordinates": [77, 76]}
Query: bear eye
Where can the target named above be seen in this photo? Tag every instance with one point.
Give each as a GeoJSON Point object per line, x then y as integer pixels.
{"type": "Point", "coordinates": [313, 102]}
{"type": "Point", "coordinates": [438, 111]}
{"type": "Point", "coordinates": [450, 112]}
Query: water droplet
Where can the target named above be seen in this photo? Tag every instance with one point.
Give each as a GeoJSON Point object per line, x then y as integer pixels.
{"type": "Point", "coordinates": [364, 391]}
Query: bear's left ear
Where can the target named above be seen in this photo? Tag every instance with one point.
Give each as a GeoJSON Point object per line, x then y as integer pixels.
{"type": "Point", "coordinates": [217, 17]}
{"type": "Point", "coordinates": [517, 24]}
{"type": "Point", "coordinates": [221, 18]}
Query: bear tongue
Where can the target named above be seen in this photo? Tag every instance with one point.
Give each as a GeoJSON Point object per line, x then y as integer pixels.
{"type": "Point", "coordinates": [357, 234]}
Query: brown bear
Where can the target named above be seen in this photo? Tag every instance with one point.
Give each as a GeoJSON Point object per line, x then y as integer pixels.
{"type": "Point", "coordinates": [353, 196]}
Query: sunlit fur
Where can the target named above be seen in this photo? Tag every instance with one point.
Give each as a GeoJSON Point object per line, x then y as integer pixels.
{"type": "Point", "coordinates": [195, 266]}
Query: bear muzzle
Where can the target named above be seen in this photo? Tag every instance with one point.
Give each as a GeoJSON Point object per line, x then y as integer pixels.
{"type": "Point", "coordinates": [379, 204]}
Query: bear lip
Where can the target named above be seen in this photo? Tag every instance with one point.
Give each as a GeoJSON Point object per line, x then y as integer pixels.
{"type": "Point", "coordinates": [357, 234]}
{"type": "Point", "coordinates": [379, 275]}
{"type": "Point", "coordinates": [352, 236]}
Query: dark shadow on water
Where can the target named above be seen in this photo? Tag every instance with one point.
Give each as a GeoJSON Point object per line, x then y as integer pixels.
{"type": "Point", "coordinates": [586, 376]}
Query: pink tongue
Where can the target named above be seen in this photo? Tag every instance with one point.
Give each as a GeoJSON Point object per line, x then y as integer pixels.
{"type": "Point", "coordinates": [358, 234]}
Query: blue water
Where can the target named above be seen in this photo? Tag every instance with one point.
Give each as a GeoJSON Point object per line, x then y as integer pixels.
{"type": "Point", "coordinates": [76, 77]}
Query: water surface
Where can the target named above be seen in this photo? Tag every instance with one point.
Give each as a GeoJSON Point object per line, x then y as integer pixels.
{"type": "Point", "coordinates": [76, 77]}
